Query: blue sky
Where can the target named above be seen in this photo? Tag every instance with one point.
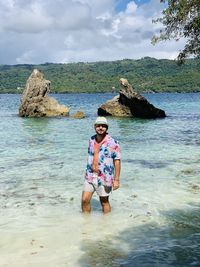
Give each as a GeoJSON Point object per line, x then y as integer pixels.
{"type": "Point", "coordinates": [121, 4]}
{"type": "Point", "coordinates": [62, 31]}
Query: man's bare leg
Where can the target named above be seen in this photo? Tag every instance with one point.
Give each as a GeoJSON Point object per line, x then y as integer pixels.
{"type": "Point", "coordinates": [105, 204]}
{"type": "Point", "coordinates": [85, 202]}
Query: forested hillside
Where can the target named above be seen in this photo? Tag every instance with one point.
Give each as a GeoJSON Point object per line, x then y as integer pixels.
{"type": "Point", "coordinates": [146, 75]}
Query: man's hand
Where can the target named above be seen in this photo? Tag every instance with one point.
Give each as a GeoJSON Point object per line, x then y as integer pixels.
{"type": "Point", "coordinates": [115, 184]}
{"type": "Point", "coordinates": [117, 173]}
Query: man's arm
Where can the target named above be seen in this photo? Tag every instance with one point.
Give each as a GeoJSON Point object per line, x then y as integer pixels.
{"type": "Point", "coordinates": [117, 166]}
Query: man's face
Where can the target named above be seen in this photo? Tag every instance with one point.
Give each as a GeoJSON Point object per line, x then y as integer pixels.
{"type": "Point", "coordinates": [100, 129]}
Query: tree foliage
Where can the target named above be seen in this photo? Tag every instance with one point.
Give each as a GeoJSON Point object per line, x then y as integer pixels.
{"type": "Point", "coordinates": [181, 19]}
{"type": "Point", "coordinates": [146, 75]}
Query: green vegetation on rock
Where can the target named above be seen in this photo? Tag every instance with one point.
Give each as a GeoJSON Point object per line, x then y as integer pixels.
{"type": "Point", "coordinates": [145, 75]}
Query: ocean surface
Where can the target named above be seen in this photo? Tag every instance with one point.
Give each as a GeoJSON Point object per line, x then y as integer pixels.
{"type": "Point", "coordinates": [155, 218]}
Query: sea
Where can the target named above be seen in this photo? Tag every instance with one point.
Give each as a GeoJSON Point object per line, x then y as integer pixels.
{"type": "Point", "coordinates": [155, 218]}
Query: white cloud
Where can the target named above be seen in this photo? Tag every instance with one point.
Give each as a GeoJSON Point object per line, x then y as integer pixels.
{"type": "Point", "coordinates": [131, 8]}
{"type": "Point", "coordinates": [39, 31]}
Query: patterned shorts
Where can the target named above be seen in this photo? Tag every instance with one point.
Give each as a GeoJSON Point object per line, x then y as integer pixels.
{"type": "Point", "coordinates": [101, 190]}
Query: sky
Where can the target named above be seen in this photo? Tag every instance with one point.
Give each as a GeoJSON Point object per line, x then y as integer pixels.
{"type": "Point", "coordinates": [65, 31]}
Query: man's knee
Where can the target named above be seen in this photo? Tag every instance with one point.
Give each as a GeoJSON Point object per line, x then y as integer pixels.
{"type": "Point", "coordinates": [86, 198]}
{"type": "Point", "coordinates": [85, 201]}
{"type": "Point", "coordinates": [105, 204]}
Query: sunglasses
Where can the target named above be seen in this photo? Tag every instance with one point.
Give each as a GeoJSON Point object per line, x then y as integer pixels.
{"type": "Point", "coordinates": [101, 125]}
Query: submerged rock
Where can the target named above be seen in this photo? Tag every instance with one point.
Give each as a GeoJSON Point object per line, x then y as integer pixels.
{"type": "Point", "coordinates": [129, 104]}
{"type": "Point", "coordinates": [35, 101]}
{"type": "Point", "coordinates": [195, 187]}
{"type": "Point", "coordinates": [78, 115]}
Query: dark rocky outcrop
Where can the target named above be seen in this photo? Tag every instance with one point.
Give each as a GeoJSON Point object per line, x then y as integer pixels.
{"type": "Point", "coordinates": [35, 101]}
{"type": "Point", "coordinates": [130, 104]}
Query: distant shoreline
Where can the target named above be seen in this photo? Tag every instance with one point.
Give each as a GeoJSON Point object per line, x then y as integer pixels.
{"type": "Point", "coordinates": [146, 75]}
{"type": "Point", "coordinates": [57, 93]}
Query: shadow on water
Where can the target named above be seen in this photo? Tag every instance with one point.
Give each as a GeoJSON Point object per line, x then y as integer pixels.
{"type": "Point", "coordinates": [150, 164]}
{"type": "Point", "coordinates": [95, 204]}
{"type": "Point", "coordinates": [177, 243]}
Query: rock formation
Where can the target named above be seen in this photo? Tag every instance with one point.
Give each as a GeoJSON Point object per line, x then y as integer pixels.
{"type": "Point", "coordinates": [129, 104]}
{"type": "Point", "coordinates": [78, 115]}
{"type": "Point", "coordinates": [35, 101]}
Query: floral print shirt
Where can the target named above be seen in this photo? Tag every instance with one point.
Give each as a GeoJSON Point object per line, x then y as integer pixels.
{"type": "Point", "coordinates": [108, 152]}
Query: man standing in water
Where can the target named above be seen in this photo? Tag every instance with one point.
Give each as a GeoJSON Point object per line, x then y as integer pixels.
{"type": "Point", "coordinates": [103, 167]}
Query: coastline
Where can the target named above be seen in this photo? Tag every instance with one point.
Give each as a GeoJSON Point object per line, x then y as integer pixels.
{"type": "Point", "coordinates": [145, 75]}
{"type": "Point", "coordinates": [108, 92]}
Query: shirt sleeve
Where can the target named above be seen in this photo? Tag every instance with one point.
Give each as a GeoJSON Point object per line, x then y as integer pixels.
{"type": "Point", "coordinates": [116, 153]}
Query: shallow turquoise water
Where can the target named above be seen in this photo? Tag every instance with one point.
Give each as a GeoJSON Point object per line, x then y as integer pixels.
{"type": "Point", "coordinates": [155, 219]}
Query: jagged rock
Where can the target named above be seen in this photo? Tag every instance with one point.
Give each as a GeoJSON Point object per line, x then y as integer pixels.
{"type": "Point", "coordinates": [78, 115]}
{"type": "Point", "coordinates": [35, 101]}
{"type": "Point", "coordinates": [114, 108]}
{"type": "Point", "coordinates": [129, 104]}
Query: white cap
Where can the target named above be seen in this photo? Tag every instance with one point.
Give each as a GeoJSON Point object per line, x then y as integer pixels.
{"type": "Point", "coordinates": [101, 120]}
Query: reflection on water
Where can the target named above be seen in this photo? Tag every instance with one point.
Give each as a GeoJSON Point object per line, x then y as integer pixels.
{"type": "Point", "coordinates": [35, 125]}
